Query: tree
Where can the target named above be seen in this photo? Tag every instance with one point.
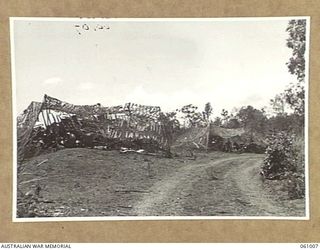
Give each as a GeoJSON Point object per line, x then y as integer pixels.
{"type": "Point", "coordinates": [233, 122]}
{"type": "Point", "coordinates": [208, 110]}
{"type": "Point", "coordinates": [294, 95]}
{"type": "Point", "coordinates": [191, 115]}
{"type": "Point", "coordinates": [252, 119]}
{"type": "Point", "coordinates": [282, 153]}
{"type": "Point", "coordinates": [217, 121]}
{"type": "Point", "coordinates": [278, 104]}
{"type": "Point", "coordinates": [285, 122]}
{"type": "Point", "coordinates": [225, 116]}
{"type": "Point", "coordinates": [297, 42]}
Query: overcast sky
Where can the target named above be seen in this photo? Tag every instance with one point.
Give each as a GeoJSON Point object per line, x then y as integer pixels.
{"type": "Point", "coordinates": [168, 64]}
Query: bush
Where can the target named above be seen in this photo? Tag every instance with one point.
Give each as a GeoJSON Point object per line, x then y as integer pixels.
{"type": "Point", "coordinates": [285, 160]}
{"type": "Point", "coordinates": [281, 157]}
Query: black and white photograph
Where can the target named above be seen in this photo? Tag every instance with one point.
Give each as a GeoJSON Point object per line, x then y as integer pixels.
{"type": "Point", "coordinates": [160, 118]}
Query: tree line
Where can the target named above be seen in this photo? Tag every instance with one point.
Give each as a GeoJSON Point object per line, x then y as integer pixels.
{"type": "Point", "coordinates": [283, 129]}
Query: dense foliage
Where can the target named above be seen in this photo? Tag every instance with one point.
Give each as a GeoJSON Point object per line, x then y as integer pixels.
{"type": "Point", "coordinates": [294, 95]}
{"type": "Point", "coordinates": [281, 156]}
{"type": "Point", "coordinates": [285, 153]}
{"type": "Point", "coordinates": [297, 42]}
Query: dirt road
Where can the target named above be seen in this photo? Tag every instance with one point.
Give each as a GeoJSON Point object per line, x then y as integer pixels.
{"type": "Point", "coordinates": [231, 186]}
{"type": "Point", "coordinates": [86, 182]}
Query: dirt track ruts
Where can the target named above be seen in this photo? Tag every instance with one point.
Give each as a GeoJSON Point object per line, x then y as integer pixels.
{"type": "Point", "coordinates": [236, 184]}
{"type": "Point", "coordinates": [85, 182]}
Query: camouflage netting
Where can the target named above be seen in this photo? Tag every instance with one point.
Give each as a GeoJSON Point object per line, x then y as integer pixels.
{"type": "Point", "coordinates": [235, 140]}
{"type": "Point", "coordinates": [218, 138]}
{"type": "Point", "coordinates": [194, 137]}
{"type": "Point", "coordinates": [87, 126]}
{"type": "Point", "coordinates": [25, 125]}
{"type": "Point", "coordinates": [55, 124]}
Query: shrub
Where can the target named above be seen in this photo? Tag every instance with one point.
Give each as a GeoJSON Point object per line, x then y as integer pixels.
{"type": "Point", "coordinates": [281, 156]}
{"type": "Point", "coordinates": [285, 160]}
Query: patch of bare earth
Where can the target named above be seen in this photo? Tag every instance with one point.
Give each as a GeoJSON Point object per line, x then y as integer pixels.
{"type": "Point", "coordinates": [86, 182]}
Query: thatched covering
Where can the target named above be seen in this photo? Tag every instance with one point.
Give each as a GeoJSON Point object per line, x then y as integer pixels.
{"type": "Point", "coordinates": [235, 140]}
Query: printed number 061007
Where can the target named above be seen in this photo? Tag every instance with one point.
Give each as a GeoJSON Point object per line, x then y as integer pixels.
{"type": "Point", "coordinates": [309, 245]}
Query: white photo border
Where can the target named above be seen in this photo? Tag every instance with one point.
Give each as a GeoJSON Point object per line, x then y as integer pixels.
{"type": "Point", "coordinates": [164, 218]}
